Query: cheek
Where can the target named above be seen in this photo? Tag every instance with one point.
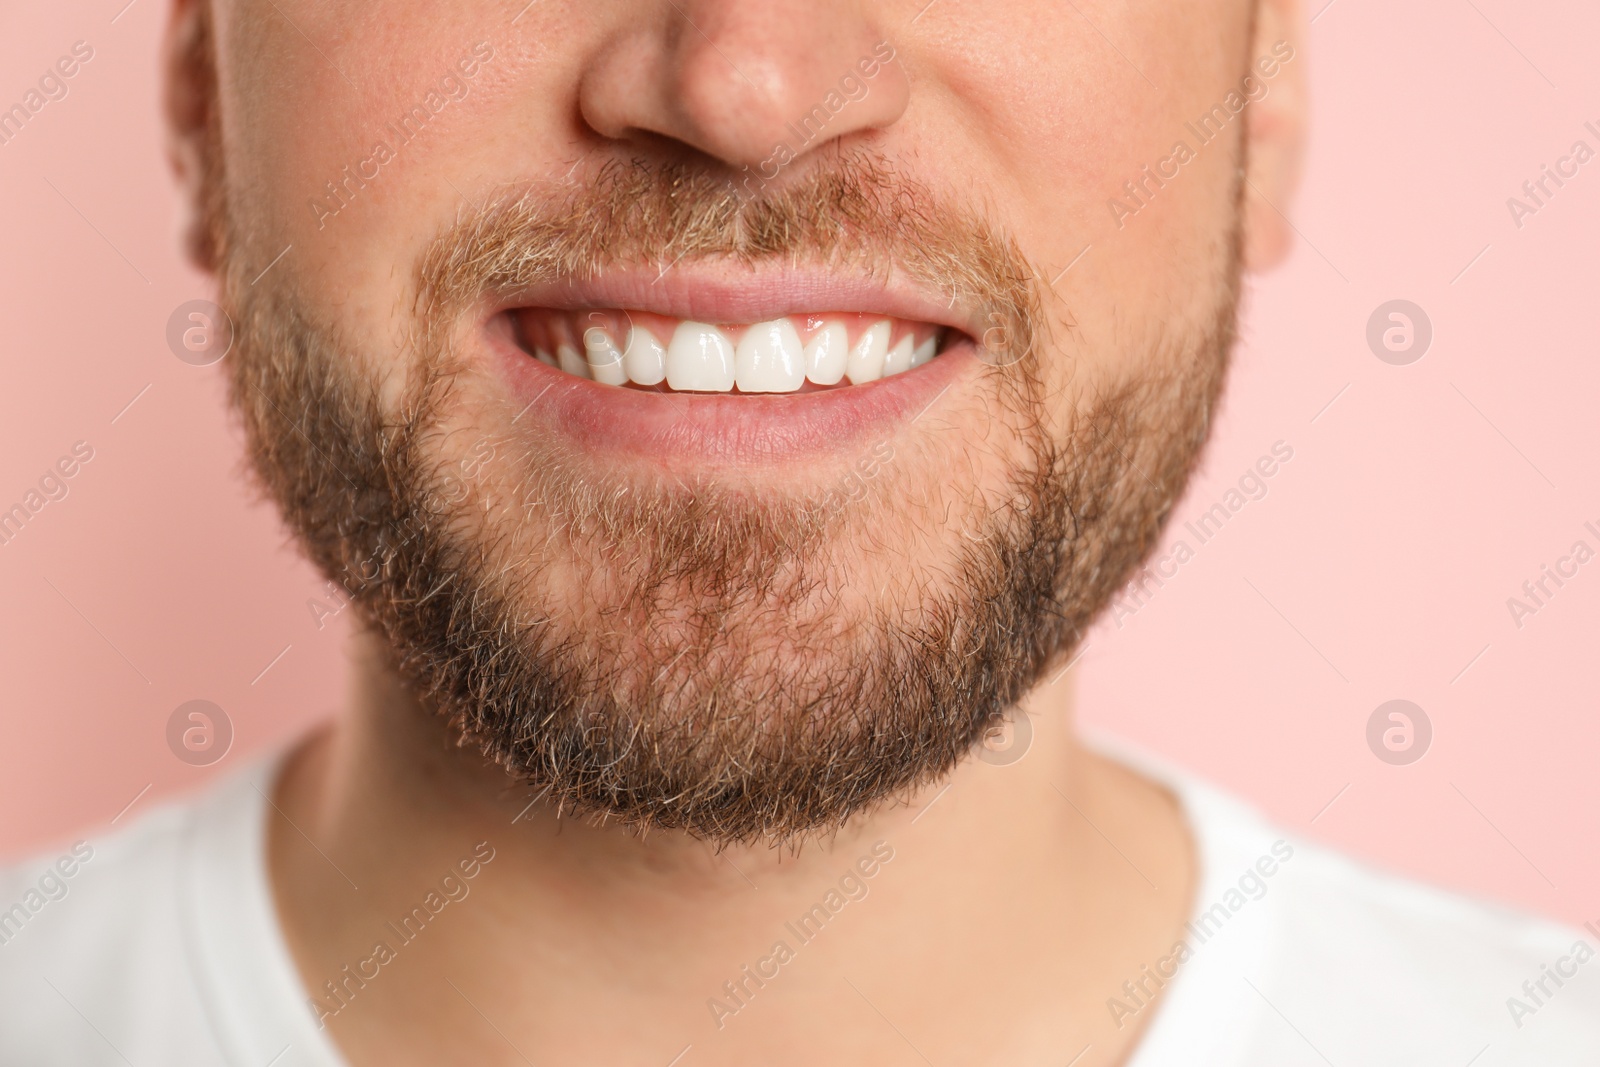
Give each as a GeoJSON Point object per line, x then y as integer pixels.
{"type": "Point", "coordinates": [338, 152]}
{"type": "Point", "coordinates": [1061, 143]}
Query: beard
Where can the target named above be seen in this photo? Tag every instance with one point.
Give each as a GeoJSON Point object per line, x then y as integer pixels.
{"type": "Point", "coordinates": [739, 660]}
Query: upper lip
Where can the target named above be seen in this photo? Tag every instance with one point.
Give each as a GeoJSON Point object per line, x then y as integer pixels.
{"type": "Point", "coordinates": [734, 292]}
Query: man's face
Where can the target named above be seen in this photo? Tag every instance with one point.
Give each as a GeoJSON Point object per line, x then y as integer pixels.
{"type": "Point", "coordinates": [725, 411]}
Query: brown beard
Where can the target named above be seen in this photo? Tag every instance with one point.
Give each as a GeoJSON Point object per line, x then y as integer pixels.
{"type": "Point", "coordinates": [695, 656]}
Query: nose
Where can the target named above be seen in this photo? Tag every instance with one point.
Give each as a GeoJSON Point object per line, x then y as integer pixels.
{"type": "Point", "coordinates": [746, 82]}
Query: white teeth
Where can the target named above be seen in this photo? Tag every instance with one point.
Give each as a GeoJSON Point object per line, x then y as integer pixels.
{"type": "Point", "coordinates": [770, 359]}
{"type": "Point", "coordinates": [700, 358]}
{"type": "Point", "coordinates": [570, 361]}
{"type": "Point", "coordinates": [899, 357]}
{"type": "Point", "coordinates": [865, 362]}
{"type": "Point", "coordinates": [826, 354]}
{"type": "Point", "coordinates": [645, 360]}
{"type": "Point", "coordinates": [605, 358]}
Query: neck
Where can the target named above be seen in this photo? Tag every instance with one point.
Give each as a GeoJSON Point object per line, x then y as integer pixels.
{"type": "Point", "coordinates": [450, 909]}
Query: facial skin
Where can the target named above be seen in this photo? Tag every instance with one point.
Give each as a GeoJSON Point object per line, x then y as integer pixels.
{"type": "Point", "coordinates": [652, 606]}
{"type": "Point", "coordinates": [661, 608]}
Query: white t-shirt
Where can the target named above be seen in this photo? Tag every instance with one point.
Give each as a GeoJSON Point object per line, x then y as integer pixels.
{"type": "Point", "coordinates": [163, 948]}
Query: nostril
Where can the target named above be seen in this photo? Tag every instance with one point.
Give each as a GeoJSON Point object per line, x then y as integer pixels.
{"type": "Point", "coordinates": [618, 87]}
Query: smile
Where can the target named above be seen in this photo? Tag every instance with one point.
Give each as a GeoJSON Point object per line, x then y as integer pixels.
{"type": "Point", "coordinates": [725, 366]}
{"type": "Point", "coordinates": [786, 354]}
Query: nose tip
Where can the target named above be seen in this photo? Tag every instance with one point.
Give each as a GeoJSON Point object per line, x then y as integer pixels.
{"type": "Point", "coordinates": [745, 86]}
{"type": "Point", "coordinates": [745, 110]}
{"type": "Point", "coordinates": [735, 112]}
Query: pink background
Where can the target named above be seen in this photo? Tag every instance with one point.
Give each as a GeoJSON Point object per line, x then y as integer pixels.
{"type": "Point", "coordinates": [1414, 505]}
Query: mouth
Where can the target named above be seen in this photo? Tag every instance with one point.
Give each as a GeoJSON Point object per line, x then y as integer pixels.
{"type": "Point", "coordinates": [786, 354]}
{"type": "Point", "coordinates": [728, 365]}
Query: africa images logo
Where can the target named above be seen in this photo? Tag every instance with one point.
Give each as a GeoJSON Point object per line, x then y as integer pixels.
{"type": "Point", "coordinates": [852, 886]}
{"type": "Point", "coordinates": [451, 88]}
{"type": "Point", "coordinates": [1140, 992]}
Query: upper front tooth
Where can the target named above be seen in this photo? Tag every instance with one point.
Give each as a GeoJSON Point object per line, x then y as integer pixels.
{"type": "Point", "coordinates": [925, 351]}
{"type": "Point", "coordinates": [645, 360]}
{"type": "Point", "coordinates": [700, 357]}
{"type": "Point", "coordinates": [605, 358]}
{"type": "Point", "coordinates": [570, 361]}
{"type": "Point", "coordinates": [769, 358]}
{"type": "Point", "coordinates": [899, 357]}
{"type": "Point", "coordinates": [826, 354]}
{"type": "Point", "coordinates": [865, 362]}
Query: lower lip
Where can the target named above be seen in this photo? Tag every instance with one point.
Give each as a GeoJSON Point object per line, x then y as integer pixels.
{"type": "Point", "coordinates": [724, 428]}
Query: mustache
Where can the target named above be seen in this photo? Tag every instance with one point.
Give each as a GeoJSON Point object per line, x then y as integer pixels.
{"type": "Point", "coordinates": [854, 213]}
